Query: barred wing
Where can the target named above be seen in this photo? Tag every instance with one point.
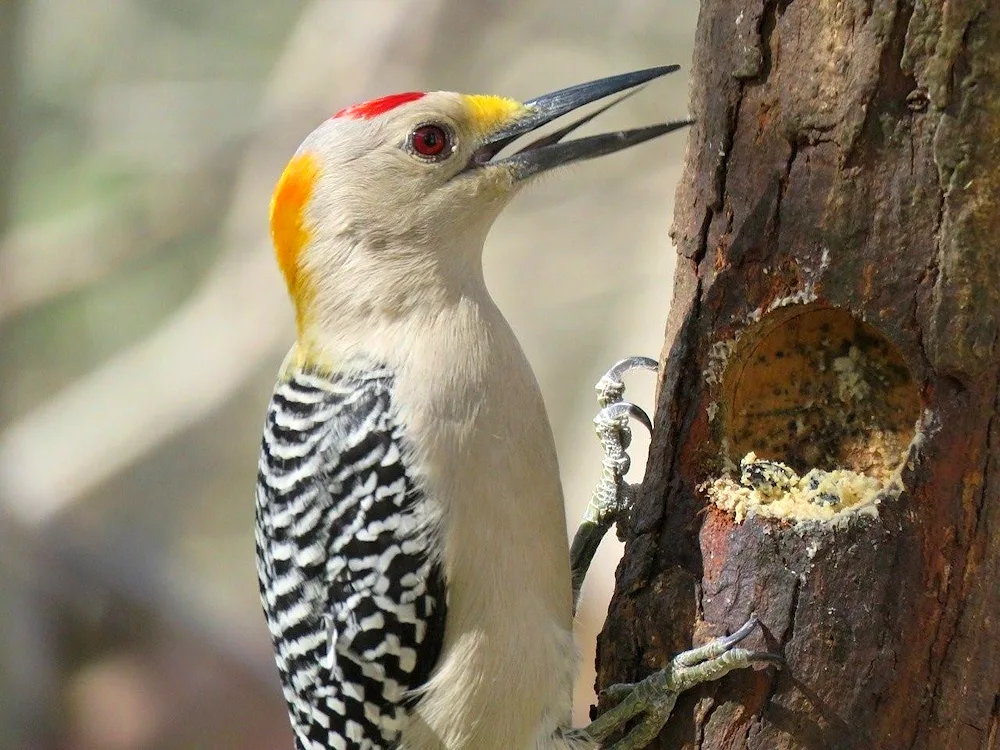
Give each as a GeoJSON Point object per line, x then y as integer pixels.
{"type": "Point", "coordinates": [353, 595]}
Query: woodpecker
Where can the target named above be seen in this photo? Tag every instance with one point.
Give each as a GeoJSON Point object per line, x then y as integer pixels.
{"type": "Point", "coordinates": [411, 549]}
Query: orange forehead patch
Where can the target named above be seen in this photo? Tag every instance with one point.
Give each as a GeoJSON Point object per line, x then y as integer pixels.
{"type": "Point", "coordinates": [375, 107]}
{"type": "Point", "coordinates": [289, 232]}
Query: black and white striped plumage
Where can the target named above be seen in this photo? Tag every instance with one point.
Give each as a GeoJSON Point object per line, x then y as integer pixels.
{"type": "Point", "coordinates": [350, 583]}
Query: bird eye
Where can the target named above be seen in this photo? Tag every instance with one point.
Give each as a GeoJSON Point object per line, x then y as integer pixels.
{"type": "Point", "coordinates": [431, 142]}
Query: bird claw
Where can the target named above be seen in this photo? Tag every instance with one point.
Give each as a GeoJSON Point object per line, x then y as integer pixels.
{"type": "Point", "coordinates": [611, 386]}
{"type": "Point", "coordinates": [613, 495]}
{"type": "Point", "coordinates": [616, 416]}
{"type": "Point", "coordinates": [654, 697]}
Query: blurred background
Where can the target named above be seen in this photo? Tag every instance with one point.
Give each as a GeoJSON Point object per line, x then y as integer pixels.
{"type": "Point", "coordinates": [142, 318]}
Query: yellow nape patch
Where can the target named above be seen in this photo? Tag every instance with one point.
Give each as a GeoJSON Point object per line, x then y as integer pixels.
{"type": "Point", "coordinates": [489, 113]}
{"type": "Point", "coordinates": [289, 232]}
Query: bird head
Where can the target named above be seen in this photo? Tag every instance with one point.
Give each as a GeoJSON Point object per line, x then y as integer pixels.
{"type": "Point", "coordinates": [390, 200]}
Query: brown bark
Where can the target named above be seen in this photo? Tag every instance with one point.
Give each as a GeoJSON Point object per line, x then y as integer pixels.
{"type": "Point", "coordinates": [845, 167]}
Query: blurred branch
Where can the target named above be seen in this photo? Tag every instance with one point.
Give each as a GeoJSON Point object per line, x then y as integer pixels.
{"type": "Point", "coordinates": [181, 187]}
{"type": "Point", "coordinates": [145, 394]}
{"type": "Point", "coordinates": [35, 267]}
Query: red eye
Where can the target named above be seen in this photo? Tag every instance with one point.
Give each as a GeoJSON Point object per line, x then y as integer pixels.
{"type": "Point", "coordinates": [429, 140]}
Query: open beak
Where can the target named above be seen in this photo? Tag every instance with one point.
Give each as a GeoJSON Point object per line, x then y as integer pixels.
{"type": "Point", "coordinates": [551, 151]}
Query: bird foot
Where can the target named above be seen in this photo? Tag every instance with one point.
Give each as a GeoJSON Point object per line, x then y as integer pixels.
{"type": "Point", "coordinates": [611, 386]}
{"type": "Point", "coordinates": [613, 495]}
{"type": "Point", "coordinates": [654, 697]}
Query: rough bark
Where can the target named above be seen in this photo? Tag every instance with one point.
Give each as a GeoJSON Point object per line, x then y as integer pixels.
{"type": "Point", "coordinates": [845, 165]}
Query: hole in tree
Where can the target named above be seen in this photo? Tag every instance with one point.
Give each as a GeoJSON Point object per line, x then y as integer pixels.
{"type": "Point", "coordinates": [818, 409]}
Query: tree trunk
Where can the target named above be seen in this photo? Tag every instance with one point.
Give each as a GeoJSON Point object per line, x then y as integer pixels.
{"type": "Point", "coordinates": [836, 307]}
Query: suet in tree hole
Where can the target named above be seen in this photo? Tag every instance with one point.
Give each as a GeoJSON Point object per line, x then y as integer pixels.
{"type": "Point", "coordinates": [819, 409]}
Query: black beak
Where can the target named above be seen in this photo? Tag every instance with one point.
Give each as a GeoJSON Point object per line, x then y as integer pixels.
{"type": "Point", "coordinates": [550, 151]}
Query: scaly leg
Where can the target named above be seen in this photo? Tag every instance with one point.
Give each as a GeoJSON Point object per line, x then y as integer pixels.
{"type": "Point", "coordinates": [654, 697]}
{"type": "Point", "coordinates": [613, 495]}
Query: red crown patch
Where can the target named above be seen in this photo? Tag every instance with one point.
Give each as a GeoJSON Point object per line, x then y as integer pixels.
{"type": "Point", "coordinates": [375, 107]}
